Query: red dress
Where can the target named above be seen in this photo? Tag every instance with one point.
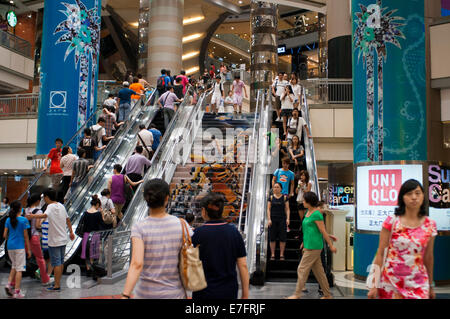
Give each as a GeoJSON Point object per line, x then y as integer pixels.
{"type": "Point", "coordinates": [405, 275]}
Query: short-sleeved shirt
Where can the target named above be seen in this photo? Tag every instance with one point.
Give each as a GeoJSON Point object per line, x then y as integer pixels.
{"type": "Point", "coordinates": [55, 156]}
{"type": "Point", "coordinates": [66, 164]}
{"type": "Point", "coordinates": [168, 99]}
{"type": "Point", "coordinates": [16, 239]}
{"type": "Point", "coordinates": [136, 164]}
{"type": "Point", "coordinates": [312, 237]}
{"type": "Point", "coordinates": [279, 86]}
{"type": "Point", "coordinates": [110, 102]}
{"type": "Point", "coordinates": [156, 138]}
{"type": "Point", "coordinates": [37, 211]}
{"type": "Point", "coordinates": [88, 144]}
{"type": "Point", "coordinates": [160, 277]}
{"type": "Point", "coordinates": [107, 203]}
{"type": "Point", "coordinates": [57, 231]}
{"type": "Point", "coordinates": [297, 124]}
{"type": "Point", "coordinates": [284, 178]}
{"type": "Point", "coordinates": [98, 132]}
{"type": "Point", "coordinates": [125, 95]}
{"type": "Point", "coordinates": [178, 90]}
{"type": "Point", "coordinates": [92, 222]}
{"type": "Point", "coordinates": [138, 88]}
{"type": "Point", "coordinates": [221, 245]}
{"type": "Point", "coordinates": [238, 87]}
{"type": "Point", "coordinates": [287, 104]}
{"type": "Point", "coordinates": [110, 119]}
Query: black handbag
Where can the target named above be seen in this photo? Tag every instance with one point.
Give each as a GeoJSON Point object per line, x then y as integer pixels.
{"type": "Point", "coordinates": [81, 226]}
{"type": "Point", "coordinates": [127, 190]}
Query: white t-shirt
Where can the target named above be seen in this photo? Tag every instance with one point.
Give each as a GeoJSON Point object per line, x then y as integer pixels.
{"type": "Point", "coordinates": [287, 104]}
{"type": "Point", "coordinates": [66, 164]}
{"type": "Point", "coordinates": [229, 100]}
{"type": "Point", "coordinates": [107, 203]}
{"type": "Point", "coordinates": [299, 124]}
{"type": "Point", "coordinates": [297, 91]}
{"type": "Point", "coordinates": [217, 87]}
{"type": "Point", "coordinates": [101, 131]}
{"type": "Point", "coordinates": [280, 86]}
{"type": "Point", "coordinates": [147, 137]}
{"type": "Point", "coordinates": [57, 227]}
{"type": "Point", "coordinates": [110, 102]}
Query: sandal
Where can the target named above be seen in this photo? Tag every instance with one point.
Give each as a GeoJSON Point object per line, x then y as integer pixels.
{"type": "Point", "coordinates": [282, 258]}
{"type": "Point", "coordinates": [272, 258]}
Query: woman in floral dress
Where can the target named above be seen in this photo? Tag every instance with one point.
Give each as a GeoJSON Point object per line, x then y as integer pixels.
{"type": "Point", "coordinates": [408, 269]}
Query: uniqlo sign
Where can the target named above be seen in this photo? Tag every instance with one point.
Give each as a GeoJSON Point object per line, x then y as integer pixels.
{"type": "Point", "coordinates": [384, 186]}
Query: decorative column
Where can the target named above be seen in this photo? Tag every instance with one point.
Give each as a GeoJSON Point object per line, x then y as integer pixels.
{"type": "Point", "coordinates": [69, 69]}
{"type": "Point", "coordinates": [165, 38]}
{"type": "Point", "coordinates": [264, 47]}
{"type": "Point", "coordinates": [144, 17]}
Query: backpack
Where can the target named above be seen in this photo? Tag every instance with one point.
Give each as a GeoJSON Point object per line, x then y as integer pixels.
{"type": "Point", "coordinates": [94, 134]}
{"type": "Point", "coordinates": [161, 83]}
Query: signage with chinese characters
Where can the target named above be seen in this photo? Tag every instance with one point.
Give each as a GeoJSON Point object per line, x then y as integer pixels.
{"type": "Point", "coordinates": [377, 192]}
{"type": "Point", "coordinates": [439, 195]}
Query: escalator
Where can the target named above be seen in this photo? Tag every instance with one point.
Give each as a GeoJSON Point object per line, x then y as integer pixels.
{"type": "Point", "coordinates": [122, 148]}
{"type": "Point", "coordinates": [256, 229]}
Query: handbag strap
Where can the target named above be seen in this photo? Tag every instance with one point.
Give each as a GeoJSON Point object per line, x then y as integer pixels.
{"type": "Point", "coordinates": [185, 231]}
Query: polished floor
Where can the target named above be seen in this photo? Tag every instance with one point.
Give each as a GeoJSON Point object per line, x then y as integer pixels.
{"type": "Point", "coordinates": [346, 287]}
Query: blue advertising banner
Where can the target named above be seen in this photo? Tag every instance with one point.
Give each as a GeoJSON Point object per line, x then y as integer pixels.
{"type": "Point", "coordinates": [69, 69]}
{"type": "Point", "coordinates": [389, 80]}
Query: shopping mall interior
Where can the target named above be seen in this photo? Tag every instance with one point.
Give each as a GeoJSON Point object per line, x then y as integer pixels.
{"type": "Point", "coordinates": [374, 92]}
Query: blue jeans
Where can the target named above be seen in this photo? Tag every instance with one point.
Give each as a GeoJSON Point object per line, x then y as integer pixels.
{"type": "Point", "coordinates": [124, 112]}
{"type": "Point", "coordinates": [97, 155]}
{"type": "Point", "coordinates": [57, 255]}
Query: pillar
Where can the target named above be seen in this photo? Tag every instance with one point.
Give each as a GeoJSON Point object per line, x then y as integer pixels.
{"type": "Point", "coordinates": [69, 70]}
{"type": "Point", "coordinates": [392, 116]}
{"type": "Point", "coordinates": [264, 47]}
{"type": "Point", "coordinates": [165, 38]}
{"type": "Point", "coordinates": [339, 38]}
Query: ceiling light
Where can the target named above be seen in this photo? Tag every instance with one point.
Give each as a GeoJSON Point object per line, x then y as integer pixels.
{"type": "Point", "coordinates": [192, 70]}
{"type": "Point", "coordinates": [193, 20]}
{"type": "Point", "coordinates": [192, 37]}
{"type": "Point", "coordinates": [135, 24]}
{"type": "Point", "coordinates": [240, 2]}
{"type": "Point", "coordinates": [190, 55]}
{"type": "Point", "coordinates": [232, 28]}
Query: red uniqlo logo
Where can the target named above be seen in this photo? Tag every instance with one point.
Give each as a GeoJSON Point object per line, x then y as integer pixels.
{"type": "Point", "coordinates": [384, 186]}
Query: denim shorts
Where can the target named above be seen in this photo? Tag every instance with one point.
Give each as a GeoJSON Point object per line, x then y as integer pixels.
{"type": "Point", "coordinates": [57, 255]}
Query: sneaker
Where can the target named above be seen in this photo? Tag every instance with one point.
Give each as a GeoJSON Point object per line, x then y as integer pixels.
{"type": "Point", "coordinates": [18, 295]}
{"type": "Point", "coordinates": [52, 288]}
{"type": "Point", "coordinates": [48, 283]}
{"type": "Point", "coordinates": [37, 274]}
{"type": "Point", "coordinates": [9, 290]}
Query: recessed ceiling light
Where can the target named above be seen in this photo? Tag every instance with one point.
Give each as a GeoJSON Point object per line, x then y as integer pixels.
{"type": "Point", "coordinates": [193, 20]}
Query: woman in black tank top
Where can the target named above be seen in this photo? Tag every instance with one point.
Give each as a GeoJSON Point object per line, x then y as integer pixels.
{"type": "Point", "coordinates": [278, 217]}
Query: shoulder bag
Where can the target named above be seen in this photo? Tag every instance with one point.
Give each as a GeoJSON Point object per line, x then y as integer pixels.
{"type": "Point", "coordinates": [292, 131]}
{"type": "Point", "coordinates": [191, 267]}
{"type": "Point", "coordinates": [127, 190]}
{"type": "Point", "coordinates": [372, 271]}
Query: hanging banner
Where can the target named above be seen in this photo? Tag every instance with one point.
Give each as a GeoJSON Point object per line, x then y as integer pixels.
{"type": "Point", "coordinates": [389, 80]}
{"type": "Point", "coordinates": [69, 69]}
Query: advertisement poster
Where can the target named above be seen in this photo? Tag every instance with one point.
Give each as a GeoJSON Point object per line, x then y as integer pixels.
{"type": "Point", "coordinates": [389, 80]}
{"type": "Point", "coordinates": [340, 195]}
{"type": "Point", "coordinates": [439, 195]}
{"type": "Point", "coordinates": [69, 69]}
{"type": "Point", "coordinates": [377, 192]}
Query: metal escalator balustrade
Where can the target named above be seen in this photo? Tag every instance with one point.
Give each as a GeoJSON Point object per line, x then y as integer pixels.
{"type": "Point", "coordinates": [116, 244]}
{"type": "Point", "coordinates": [117, 152]}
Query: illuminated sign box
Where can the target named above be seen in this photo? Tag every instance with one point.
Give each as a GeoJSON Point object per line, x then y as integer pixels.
{"type": "Point", "coordinates": [282, 49]}
{"type": "Point", "coordinates": [377, 189]}
{"type": "Point", "coordinates": [439, 195]}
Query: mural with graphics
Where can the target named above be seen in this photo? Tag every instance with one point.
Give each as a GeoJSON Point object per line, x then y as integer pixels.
{"type": "Point", "coordinates": [69, 69]}
{"type": "Point", "coordinates": [389, 80]}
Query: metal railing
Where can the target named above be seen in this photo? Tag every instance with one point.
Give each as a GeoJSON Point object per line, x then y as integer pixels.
{"type": "Point", "coordinates": [13, 42]}
{"type": "Point", "coordinates": [329, 91]}
{"type": "Point", "coordinates": [19, 105]}
{"type": "Point", "coordinates": [298, 31]}
{"type": "Point", "coordinates": [235, 41]}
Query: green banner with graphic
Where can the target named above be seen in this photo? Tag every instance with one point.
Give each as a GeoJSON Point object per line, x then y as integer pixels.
{"type": "Point", "coordinates": [389, 80]}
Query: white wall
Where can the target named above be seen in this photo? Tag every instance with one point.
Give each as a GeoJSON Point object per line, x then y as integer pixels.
{"type": "Point", "coordinates": [445, 105]}
{"type": "Point", "coordinates": [15, 158]}
{"type": "Point", "coordinates": [333, 152]}
{"type": "Point", "coordinates": [332, 123]}
{"type": "Point", "coordinates": [18, 131]}
{"type": "Point", "coordinates": [440, 47]}
{"type": "Point", "coordinates": [22, 69]}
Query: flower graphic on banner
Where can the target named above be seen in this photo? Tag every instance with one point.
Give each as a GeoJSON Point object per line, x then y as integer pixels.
{"type": "Point", "coordinates": [376, 27]}
{"type": "Point", "coordinates": [82, 31]}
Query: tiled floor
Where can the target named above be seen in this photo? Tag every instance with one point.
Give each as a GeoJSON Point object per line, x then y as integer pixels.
{"type": "Point", "coordinates": [346, 288]}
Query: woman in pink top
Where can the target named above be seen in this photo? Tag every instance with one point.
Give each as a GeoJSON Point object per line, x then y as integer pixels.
{"type": "Point", "coordinates": [237, 88]}
{"type": "Point", "coordinates": [408, 268]}
{"type": "Point", "coordinates": [116, 188]}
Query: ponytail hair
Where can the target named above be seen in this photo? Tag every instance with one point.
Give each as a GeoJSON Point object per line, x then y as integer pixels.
{"type": "Point", "coordinates": [95, 201]}
{"type": "Point", "coordinates": [14, 210]}
{"type": "Point", "coordinates": [213, 203]}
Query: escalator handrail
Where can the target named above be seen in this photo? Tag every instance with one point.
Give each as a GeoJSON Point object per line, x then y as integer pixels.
{"type": "Point", "coordinates": [251, 141]}
{"type": "Point", "coordinates": [111, 147]}
{"type": "Point", "coordinates": [309, 144]}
